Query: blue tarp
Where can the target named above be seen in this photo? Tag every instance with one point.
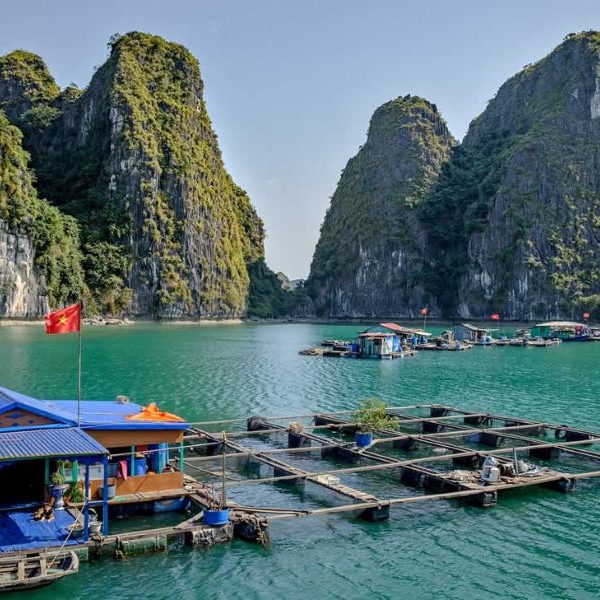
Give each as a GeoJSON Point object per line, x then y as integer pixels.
{"type": "Point", "coordinates": [19, 531]}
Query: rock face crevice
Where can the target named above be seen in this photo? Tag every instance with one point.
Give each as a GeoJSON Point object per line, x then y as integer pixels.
{"type": "Point", "coordinates": [22, 286]}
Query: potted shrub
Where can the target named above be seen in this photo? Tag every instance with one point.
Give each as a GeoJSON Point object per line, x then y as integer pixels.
{"type": "Point", "coordinates": [370, 416]}
{"type": "Point", "coordinates": [58, 489]}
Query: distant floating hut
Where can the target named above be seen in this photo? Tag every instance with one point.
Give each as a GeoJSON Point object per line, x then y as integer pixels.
{"type": "Point", "coordinates": [388, 340]}
{"type": "Point", "coordinates": [567, 331]}
{"type": "Point", "coordinates": [481, 336]}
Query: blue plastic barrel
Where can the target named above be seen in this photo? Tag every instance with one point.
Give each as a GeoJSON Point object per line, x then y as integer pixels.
{"type": "Point", "coordinates": [216, 517]}
{"type": "Point", "coordinates": [364, 438]}
{"type": "Point", "coordinates": [141, 466]}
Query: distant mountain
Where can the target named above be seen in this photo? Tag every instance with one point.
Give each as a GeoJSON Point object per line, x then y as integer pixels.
{"type": "Point", "coordinates": [134, 159]}
{"type": "Point", "coordinates": [370, 255]}
{"type": "Point", "coordinates": [510, 223]}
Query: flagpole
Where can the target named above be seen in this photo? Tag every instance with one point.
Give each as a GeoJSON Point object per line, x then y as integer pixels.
{"type": "Point", "coordinates": [79, 366]}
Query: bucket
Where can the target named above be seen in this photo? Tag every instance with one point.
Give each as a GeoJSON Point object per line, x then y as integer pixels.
{"type": "Point", "coordinates": [216, 517]}
{"type": "Point", "coordinates": [141, 466]}
{"type": "Point", "coordinates": [364, 438]}
{"type": "Point", "coordinates": [111, 490]}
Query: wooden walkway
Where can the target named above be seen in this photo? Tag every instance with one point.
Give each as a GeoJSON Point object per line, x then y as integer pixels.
{"type": "Point", "coordinates": [450, 470]}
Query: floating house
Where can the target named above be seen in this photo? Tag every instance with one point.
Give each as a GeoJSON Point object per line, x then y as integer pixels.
{"type": "Point", "coordinates": [480, 336]}
{"type": "Point", "coordinates": [389, 340]}
{"type": "Point", "coordinates": [567, 331]}
{"type": "Point", "coordinates": [110, 456]}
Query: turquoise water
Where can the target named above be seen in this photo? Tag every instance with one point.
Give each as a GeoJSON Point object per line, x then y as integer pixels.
{"type": "Point", "coordinates": [534, 544]}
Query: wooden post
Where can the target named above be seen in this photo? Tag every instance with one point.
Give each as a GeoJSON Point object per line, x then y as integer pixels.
{"type": "Point", "coordinates": [223, 477]}
{"type": "Point", "coordinates": [105, 497]}
{"type": "Point", "coordinates": [86, 505]}
{"type": "Point", "coordinates": [132, 462]}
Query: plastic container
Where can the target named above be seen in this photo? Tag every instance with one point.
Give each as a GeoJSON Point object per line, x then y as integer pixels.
{"type": "Point", "coordinates": [141, 466]}
{"type": "Point", "coordinates": [364, 438]}
{"type": "Point", "coordinates": [111, 490]}
{"type": "Point", "coordinates": [490, 475]}
{"type": "Point", "coordinates": [216, 517]}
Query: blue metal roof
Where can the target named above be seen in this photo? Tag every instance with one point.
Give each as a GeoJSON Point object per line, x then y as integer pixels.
{"type": "Point", "coordinates": [41, 443]}
{"type": "Point", "coordinates": [95, 414]}
{"type": "Point", "coordinates": [10, 399]}
{"type": "Point", "coordinates": [107, 414]}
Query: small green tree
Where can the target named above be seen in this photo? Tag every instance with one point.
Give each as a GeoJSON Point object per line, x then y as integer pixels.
{"type": "Point", "coordinates": [372, 414]}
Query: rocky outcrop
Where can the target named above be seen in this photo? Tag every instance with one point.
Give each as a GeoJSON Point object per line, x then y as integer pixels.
{"type": "Point", "coordinates": [511, 225]}
{"type": "Point", "coordinates": [39, 256]}
{"type": "Point", "coordinates": [528, 185]}
{"type": "Point", "coordinates": [369, 258]}
{"type": "Point", "coordinates": [134, 158]}
{"type": "Point", "coordinates": [22, 289]}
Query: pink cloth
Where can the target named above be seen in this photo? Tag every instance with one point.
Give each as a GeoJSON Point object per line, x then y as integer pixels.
{"type": "Point", "coordinates": [122, 470]}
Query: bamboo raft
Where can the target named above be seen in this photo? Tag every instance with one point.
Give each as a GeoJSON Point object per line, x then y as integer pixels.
{"type": "Point", "coordinates": [441, 435]}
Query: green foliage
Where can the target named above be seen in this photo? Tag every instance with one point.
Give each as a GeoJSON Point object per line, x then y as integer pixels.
{"type": "Point", "coordinates": [372, 415]}
{"type": "Point", "coordinates": [29, 72]}
{"type": "Point", "coordinates": [54, 235]}
{"type": "Point", "coordinates": [106, 267]}
{"type": "Point", "coordinates": [267, 298]}
{"type": "Point", "coordinates": [41, 115]}
{"type": "Point", "coordinates": [57, 478]}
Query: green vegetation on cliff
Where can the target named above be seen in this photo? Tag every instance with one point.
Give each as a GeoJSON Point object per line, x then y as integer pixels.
{"type": "Point", "coordinates": [135, 160]}
{"type": "Point", "coordinates": [369, 256]}
{"type": "Point", "coordinates": [54, 235]}
{"type": "Point", "coordinates": [512, 223]}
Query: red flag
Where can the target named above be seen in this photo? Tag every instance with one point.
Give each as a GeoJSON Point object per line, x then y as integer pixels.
{"type": "Point", "coordinates": [586, 315]}
{"type": "Point", "coordinates": [424, 311]}
{"type": "Point", "coordinates": [67, 320]}
{"type": "Point", "coordinates": [495, 317]}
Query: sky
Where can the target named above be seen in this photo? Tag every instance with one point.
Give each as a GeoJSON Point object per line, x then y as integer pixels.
{"type": "Point", "coordinates": [291, 84]}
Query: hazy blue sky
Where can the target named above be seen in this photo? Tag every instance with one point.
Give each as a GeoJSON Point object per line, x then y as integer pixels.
{"type": "Point", "coordinates": [291, 86]}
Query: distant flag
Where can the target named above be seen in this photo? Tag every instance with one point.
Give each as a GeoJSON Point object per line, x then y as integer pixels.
{"type": "Point", "coordinates": [495, 317]}
{"type": "Point", "coordinates": [424, 311]}
{"type": "Point", "coordinates": [586, 315]}
{"type": "Point", "coordinates": [66, 320]}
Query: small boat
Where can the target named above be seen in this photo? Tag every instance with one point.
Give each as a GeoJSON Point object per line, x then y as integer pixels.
{"type": "Point", "coordinates": [24, 572]}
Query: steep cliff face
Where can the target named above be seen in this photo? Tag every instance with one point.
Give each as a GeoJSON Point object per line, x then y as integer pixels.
{"type": "Point", "coordinates": [39, 257]}
{"type": "Point", "coordinates": [371, 251]}
{"type": "Point", "coordinates": [135, 160]}
{"type": "Point", "coordinates": [526, 181]}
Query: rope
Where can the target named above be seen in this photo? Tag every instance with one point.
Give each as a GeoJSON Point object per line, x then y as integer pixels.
{"type": "Point", "coordinates": [71, 531]}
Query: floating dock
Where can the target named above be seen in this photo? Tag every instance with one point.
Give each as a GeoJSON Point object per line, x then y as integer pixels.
{"type": "Point", "coordinates": [449, 446]}
{"type": "Point", "coordinates": [437, 453]}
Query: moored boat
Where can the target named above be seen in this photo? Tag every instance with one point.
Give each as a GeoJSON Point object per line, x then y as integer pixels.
{"type": "Point", "coordinates": [23, 572]}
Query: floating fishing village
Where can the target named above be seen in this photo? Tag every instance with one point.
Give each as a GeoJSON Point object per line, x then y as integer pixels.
{"type": "Point", "coordinates": [390, 340]}
{"type": "Point", "coordinates": [72, 470]}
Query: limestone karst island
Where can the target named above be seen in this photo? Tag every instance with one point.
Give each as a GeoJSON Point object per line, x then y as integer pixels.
{"type": "Point", "coordinates": [184, 252]}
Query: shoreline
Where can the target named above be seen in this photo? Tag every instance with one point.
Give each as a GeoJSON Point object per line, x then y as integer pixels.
{"type": "Point", "coordinates": [128, 321]}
